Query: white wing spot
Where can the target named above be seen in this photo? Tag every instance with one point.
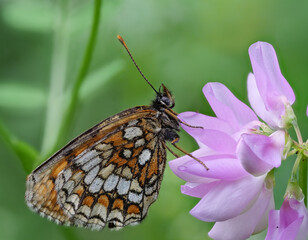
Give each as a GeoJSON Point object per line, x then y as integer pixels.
{"type": "Point", "coordinates": [103, 146]}
{"type": "Point", "coordinates": [150, 190]}
{"type": "Point", "coordinates": [135, 197]}
{"type": "Point", "coordinates": [144, 156]}
{"type": "Point", "coordinates": [127, 153]}
{"type": "Point", "coordinates": [69, 186]}
{"type": "Point", "coordinates": [123, 186]}
{"type": "Point", "coordinates": [83, 158]}
{"type": "Point", "coordinates": [139, 142]}
{"type": "Point", "coordinates": [91, 175]}
{"type": "Point", "coordinates": [132, 132]}
{"type": "Point", "coordinates": [105, 172]}
{"type": "Point", "coordinates": [96, 185]}
{"type": "Point", "coordinates": [67, 174]}
{"type": "Point", "coordinates": [107, 154]}
{"type": "Point", "coordinates": [85, 210]}
{"type": "Point", "coordinates": [59, 183]}
{"type": "Point", "coordinates": [99, 210]}
{"type": "Point", "coordinates": [127, 172]}
{"type": "Point", "coordinates": [132, 123]}
{"type": "Point", "coordinates": [111, 182]}
{"type": "Point", "coordinates": [74, 199]}
{"type": "Point", "coordinates": [91, 164]}
{"type": "Point", "coordinates": [135, 186]}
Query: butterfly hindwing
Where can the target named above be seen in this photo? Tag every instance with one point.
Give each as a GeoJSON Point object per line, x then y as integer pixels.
{"type": "Point", "coordinates": [111, 174]}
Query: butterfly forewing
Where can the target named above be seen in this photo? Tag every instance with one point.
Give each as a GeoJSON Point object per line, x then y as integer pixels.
{"type": "Point", "coordinates": [109, 175]}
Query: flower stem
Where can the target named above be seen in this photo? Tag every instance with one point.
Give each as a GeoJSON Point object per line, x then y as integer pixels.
{"type": "Point", "coordinates": [290, 153]}
{"type": "Point", "coordinates": [298, 134]}
{"type": "Point", "coordinates": [70, 111]}
{"type": "Point", "coordinates": [295, 168]}
{"type": "Point", "coordinates": [303, 177]}
{"type": "Point", "coordinates": [301, 164]}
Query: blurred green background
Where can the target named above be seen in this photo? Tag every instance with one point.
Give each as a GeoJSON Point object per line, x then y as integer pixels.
{"type": "Point", "coordinates": [180, 43]}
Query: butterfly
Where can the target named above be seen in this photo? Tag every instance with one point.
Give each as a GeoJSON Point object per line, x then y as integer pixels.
{"type": "Point", "coordinates": [112, 173]}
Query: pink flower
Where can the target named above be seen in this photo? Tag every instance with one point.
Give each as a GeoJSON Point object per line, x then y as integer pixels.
{"type": "Point", "coordinates": [290, 222]}
{"type": "Point", "coordinates": [269, 92]}
{"type": "Point", "coordinates": [230, 196]}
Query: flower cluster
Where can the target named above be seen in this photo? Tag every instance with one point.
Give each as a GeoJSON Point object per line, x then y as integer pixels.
{"type": "Point", "coordinates": [242, 152]}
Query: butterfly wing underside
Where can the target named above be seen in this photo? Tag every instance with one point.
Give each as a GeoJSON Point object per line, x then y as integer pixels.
{"type": "Point", "coordinates": [111, 174]}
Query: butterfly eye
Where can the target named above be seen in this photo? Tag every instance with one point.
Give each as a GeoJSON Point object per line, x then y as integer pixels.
{"type": "Point", "coordinates": [167, 101]}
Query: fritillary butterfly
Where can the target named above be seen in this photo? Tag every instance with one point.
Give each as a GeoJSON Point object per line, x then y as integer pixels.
{"type": "Point", "coordinates": [111, 174]}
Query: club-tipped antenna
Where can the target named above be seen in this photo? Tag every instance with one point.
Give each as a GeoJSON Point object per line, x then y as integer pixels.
{"type": "Point", "coordinates": [124, 44]}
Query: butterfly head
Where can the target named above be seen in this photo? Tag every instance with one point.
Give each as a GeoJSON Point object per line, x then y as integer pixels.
{"type": "Point", "coordinates": [166, 97]}
{"type": "Point", "coordinates": [163, 98]}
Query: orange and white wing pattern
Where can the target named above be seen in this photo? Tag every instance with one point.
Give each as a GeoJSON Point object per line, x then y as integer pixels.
{"type": "Point", "coordinates": [109, 175]}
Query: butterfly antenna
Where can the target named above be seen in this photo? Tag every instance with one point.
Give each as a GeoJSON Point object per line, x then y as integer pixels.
{"type": "Point", "coordinates": [124, 44]}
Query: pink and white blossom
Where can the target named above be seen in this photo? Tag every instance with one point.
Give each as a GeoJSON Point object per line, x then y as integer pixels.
{"type": "Point", "coordinates": [240, 152]}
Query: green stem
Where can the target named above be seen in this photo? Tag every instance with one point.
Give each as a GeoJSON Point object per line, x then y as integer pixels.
{"type": "Point", "coordinates": [291, 153]}
{"type": "Point", "coordinates": [303, 177]}
{"type": "Point", "coordinates": [298, 134]}
{"type": "Point", "coordinates": [70, 111]}
{"type": "Point", "coordinates": [295, 168]}
{"type": "Point", "coordinates": [301, 164]}
{"type": "Point", "coordinates": [56, 104]}
{"type": "Point", "coordinates": [56, 96]}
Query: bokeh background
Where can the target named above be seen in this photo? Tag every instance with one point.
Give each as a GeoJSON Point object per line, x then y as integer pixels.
{"type": "Point", "coordinates": [183, 44]}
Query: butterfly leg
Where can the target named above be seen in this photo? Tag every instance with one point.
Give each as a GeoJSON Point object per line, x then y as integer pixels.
{"type": "Point", "coordinates": [172, 152]}
{"type": "Point", "coordinates": [187, 153]}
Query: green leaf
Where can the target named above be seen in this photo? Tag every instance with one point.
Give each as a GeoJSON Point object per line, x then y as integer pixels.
{"type": "Point", "coordinates": [17, 96]}
{"type": "Point", "coordinates": [94, 82]}
{"type": "Point", "coordinates": [25, 152]}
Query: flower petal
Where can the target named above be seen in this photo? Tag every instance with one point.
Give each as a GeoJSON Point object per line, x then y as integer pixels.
{"type": "Point", "coordinates": [271, 83]}
{"type": "Point", "coordinates": [226, 106]}
{"type": "Point", "coordinates": [218, 141]}
{"type": "Point", "coordinates": [256, 102]}
{"type": "Point", "coordinates": [244, 225]}
{"type": "Point", "coordinates": [204, 121]}
{"type": "Point", "coordinates": [220, 167]}
{"type": "Point", "coordinates": [176, 164]}
{"type": "Point", "coordinates": [198, 189]}
{"type": "Point", "coordinates": [210, 126]}
{"type": "Point", "coordinates": [215, 205]}
{"type": "Point", "coordinates": [259, 153]}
